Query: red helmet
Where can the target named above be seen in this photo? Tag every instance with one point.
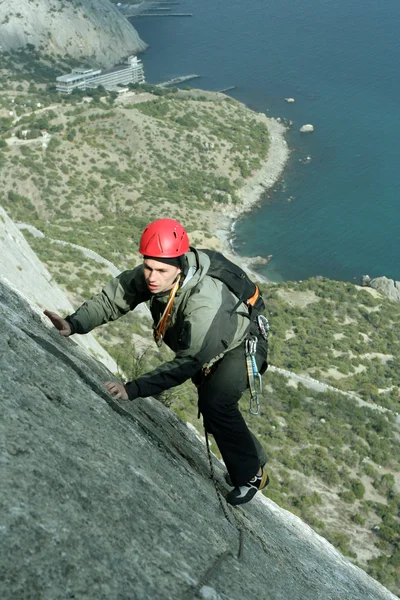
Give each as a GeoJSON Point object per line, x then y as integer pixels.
{"type": "Point", "coordinates": [164, 238]}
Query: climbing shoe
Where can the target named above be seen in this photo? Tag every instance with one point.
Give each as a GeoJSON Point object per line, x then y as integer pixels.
{"type": "Point", "coordinates": [228, 479]}
{"type": "Point", "coordinates": [244, 493]}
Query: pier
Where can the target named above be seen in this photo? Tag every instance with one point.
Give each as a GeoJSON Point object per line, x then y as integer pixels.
{"type": "Point", "coordinates": [156, 8]}
{"type": "Point", "coordinates": [177, 80]}
{"type": "Point", "coordinates": [162, 15]}
{"type": "Point", "coordinates": [228, 89]}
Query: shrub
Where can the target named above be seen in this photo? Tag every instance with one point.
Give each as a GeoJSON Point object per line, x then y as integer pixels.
{"type": "Point", "coordinates": [358, 519]}
{"type": "Point", "coordinates": [358, 489]}
{"type": "Point", "coordinates": [348, 497]}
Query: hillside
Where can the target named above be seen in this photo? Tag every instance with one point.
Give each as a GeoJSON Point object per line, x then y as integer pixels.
{"type": "Point", "coordinates": [335, 454]}
{"type": "Point", "coordinates": [109, 166]}
{"type": "Point", "coordinates": [92, 31]}
{"type": "Point", "coordinates": [103, 501]}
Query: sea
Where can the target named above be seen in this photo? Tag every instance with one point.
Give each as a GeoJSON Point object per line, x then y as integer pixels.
{"type": "Point", "coordinates": [336, 210]}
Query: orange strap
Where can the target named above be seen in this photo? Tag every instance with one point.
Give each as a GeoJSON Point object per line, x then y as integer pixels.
{"type": "Point", "coordinates": [165, 319]}
{"type": "Point", "coordinates": [254, 297]}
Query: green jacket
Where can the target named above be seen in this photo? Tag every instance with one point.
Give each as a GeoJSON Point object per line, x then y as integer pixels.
{"type": "Point", "coordinates": [202, 325]}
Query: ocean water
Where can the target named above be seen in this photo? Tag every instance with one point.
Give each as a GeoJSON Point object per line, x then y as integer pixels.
{"type": "Point", "coordinates": [340, 60]}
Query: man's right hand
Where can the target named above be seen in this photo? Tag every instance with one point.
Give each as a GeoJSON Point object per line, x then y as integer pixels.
{"type": "Point", "coordinates": [59, 323]}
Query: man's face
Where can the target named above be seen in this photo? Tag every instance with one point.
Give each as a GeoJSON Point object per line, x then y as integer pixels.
{"type": "Point", "coordinates": [159, 276]}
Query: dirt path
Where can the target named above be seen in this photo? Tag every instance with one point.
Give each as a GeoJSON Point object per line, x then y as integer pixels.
{"type": "Point", "coordinates": [319, 386]}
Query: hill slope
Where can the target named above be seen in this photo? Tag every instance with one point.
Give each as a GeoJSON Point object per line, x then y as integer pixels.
{"type": "Point", "coordinates": [93, 31]}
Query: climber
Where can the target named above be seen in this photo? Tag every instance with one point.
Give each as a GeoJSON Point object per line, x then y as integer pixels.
{"type": "Point", "coordinates": [200, 318]}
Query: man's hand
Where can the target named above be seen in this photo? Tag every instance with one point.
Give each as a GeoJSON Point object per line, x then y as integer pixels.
{"type": "Point", "coordinates": [59, 323]}
{"type": "Point", "coordinates": [117, 390]}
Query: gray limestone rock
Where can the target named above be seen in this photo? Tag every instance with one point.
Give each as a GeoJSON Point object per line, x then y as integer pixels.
{"type": "Point", "coordinates": [21, 268]}
{"type": "Point", "coordinates": [387, 287]}
{"type": "Point", "coordinates": [91, 30]}
{"type": "Point", "coordinates": [308, 128]}
{"type": "Point", "coordinates": [104, 500]}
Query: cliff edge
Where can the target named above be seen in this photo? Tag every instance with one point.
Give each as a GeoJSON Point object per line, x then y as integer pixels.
{"type": "Point", "coordinates": [21, 269]}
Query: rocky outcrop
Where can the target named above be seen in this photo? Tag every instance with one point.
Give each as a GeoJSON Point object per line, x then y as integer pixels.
{"type": "Point", "coordinates": [93, 31]}
{"type": "Point", "coordinates": [104, 500]}
{"type": "Point", "coordinates": [307, 128]}
{"type": "Point", "coordinates": [387, 287]}
{"type": "Point", "coordinates": [21, 269]}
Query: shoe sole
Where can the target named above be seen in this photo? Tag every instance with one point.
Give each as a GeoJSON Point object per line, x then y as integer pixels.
{"type": "Point", "coordinates": [238, 501]}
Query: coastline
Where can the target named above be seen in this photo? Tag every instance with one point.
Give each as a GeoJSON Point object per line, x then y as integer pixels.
{"type": "Point", "coordinates": [251, 192]}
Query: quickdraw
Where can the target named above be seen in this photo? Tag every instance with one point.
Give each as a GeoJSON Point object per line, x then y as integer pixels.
{"type": "Point", "coordinates": [254, 377]}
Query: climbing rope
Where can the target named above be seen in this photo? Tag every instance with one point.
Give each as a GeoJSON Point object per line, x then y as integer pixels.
{"type": "Point", "coordinates": [227, 512]}
{"type": "Point", "coordinates": [214, 568]}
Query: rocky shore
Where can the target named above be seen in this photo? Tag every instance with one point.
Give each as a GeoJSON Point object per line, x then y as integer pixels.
{"type": "Point", "coordinates": [252, 191]}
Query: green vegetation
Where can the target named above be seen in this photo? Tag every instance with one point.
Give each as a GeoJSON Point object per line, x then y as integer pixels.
{"type": "Point", "coordinates": [343, 335]}
{"type": "Point", "coordinates": [103, 167]}
{"type": "Point", "coordinates": [32, 67]}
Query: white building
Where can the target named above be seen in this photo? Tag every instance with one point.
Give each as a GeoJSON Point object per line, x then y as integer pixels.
{"type": "Point", "coordinates": [83, 79]}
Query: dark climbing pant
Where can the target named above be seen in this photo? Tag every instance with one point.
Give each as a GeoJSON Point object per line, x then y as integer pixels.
{"type": "Point", "coordinates": [219, 394]}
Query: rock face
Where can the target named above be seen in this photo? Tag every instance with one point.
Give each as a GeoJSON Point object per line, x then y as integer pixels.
{"type": "Point", "coordinates": [307, 128]}
{"type": "Point", "coordinates": [102, 500]}
{"type": "Point", "coordinates": [387, 287]}
{"type": "Point", "coordinates": [91, 30]}
{"type": "Point", "coordinates": [21, 269]}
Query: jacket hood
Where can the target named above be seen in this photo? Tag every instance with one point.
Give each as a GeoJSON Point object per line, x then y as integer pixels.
{"type": "Point", "coordinates": [198, 264]}
{"type": "Point", "coordinates": [193, 272]}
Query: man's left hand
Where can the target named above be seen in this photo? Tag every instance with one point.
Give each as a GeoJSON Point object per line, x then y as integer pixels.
{"type": "Point", "coordinates": [117, 390]}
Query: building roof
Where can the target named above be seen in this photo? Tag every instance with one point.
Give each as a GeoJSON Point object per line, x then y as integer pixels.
{"type": "Point", "coordinates": [71, 77]}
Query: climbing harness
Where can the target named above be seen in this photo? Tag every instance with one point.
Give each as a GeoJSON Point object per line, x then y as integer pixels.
{"type": "Point", "coordinates": [254, 377]}
{"type": "Point", "coordinates": [165, 319]}
{"type": "Point", "coordinates": [207, 367]}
